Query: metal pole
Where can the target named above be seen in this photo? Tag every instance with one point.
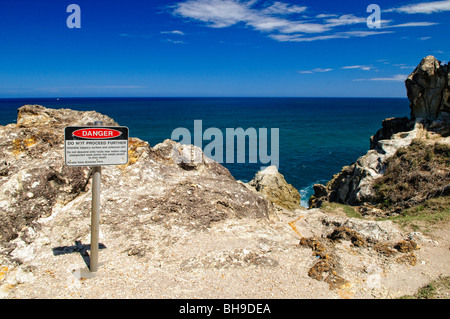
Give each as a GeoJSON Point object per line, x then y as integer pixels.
{"type": "Point", "coordinates": [95, 214]}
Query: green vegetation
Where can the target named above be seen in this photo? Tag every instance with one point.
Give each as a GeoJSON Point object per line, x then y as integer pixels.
{"type": "Point", "coordinates": [346, 209]}
{"type": "Point", "coordinates": [437, 289]}
{"type": "Point", "coordinates": [413, 175]}
{"type": "Point", "coordinates": [422, 217]}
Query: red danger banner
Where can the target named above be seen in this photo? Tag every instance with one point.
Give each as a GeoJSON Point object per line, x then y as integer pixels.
{"type": "Point", "coordinates": [96, 133]}
{"type": "Point", "coordinates": [96, 146]}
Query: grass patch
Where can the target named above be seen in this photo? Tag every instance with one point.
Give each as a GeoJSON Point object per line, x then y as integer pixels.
{"type": "Point", "coordinates": [336, 208]}
{"type": "Point", "coordinates": [437, 289]}
{"type": "Point", "coordinates": [414, 174]}
{"type": "Point", "coordinates": [427, 214]}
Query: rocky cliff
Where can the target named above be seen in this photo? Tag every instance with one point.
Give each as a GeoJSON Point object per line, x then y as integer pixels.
{"type": "Point", "coordinates": [34, 180]}
{"type": "Point", "coordinates": [175, 227]}
{"type": "Point", "coordinates": [362, 183]}
{"type": "Point", "coordinates": [428, 89]}
{"type": "Point", "coordinates": [272, 185]}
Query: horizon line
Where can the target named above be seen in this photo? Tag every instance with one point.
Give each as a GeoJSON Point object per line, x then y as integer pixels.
{"type": "Point", "coordinates": [206, 97]}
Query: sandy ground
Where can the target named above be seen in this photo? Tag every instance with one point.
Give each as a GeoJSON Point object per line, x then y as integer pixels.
{"type": "Point", "coordinates": [234, 259]}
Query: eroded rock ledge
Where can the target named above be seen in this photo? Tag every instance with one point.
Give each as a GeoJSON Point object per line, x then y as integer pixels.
{"type": "Point", "coordinates": [172, 227]}
{"type": "Point", "coordinates": [34, 179]}
{"type": "Point", "coordinates": [429, 124]}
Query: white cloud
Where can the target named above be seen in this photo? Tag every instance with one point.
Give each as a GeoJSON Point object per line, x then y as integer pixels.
{"type": "Point", "coordinates": [284, 8]}
{"type": "Point", "coordinates": [271, 24]}
{"type": "Point", "coordinates": [395, 78]}
{"type": "Point", "coordinates": [300, 38]}
{"type": "Point", "coordinates": [218, 13]}
{"type": "Point", "coordinates": [323, 16]}
{"type": "Point", "coordinates": [424, 7]}
{"type": "Point", "coordinates": [411, 24]}
{"type": "Point", "coordinates": [346, 19]}
{"type": "Point", "coordinates": [322, 70]}
{"type": "Point", "coordinates": [177, 32]}
{"type": "Point", "coordinates": [361, 67]}
{"type": "Point", "coordinates": [339, 35]}
{"type": "Point", "coordinates": [175, 41]}
{"type": "Point", "coordinates": [316, 70]}
{"type": "Point", "coordinates": [403, 66]}
{"type": "Point", "coordinates": [280, 20]}
{"type": "Point", "coordinates": [362, 34]}
{"type": "Point", "coordinates": [225, 13]}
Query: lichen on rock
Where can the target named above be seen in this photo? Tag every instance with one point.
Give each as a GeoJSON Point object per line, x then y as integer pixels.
{"type": "Point", "coordinates": [272, 185]}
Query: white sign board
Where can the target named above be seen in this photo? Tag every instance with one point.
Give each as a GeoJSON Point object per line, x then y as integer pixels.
{"type": "Point", "coordinates": [96, 145]}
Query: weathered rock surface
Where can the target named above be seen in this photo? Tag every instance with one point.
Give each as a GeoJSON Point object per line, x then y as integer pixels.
{"type": "Point", "coordinates": [174, 227]}
{"type": "Point", "coordinates": [354, 184]}
{"type": "Point", "coordinates": [34, 178]}
{"type": "Point", "coordinates": [272, 185]}
{"type": "Point", "coordinates": [428, 89]}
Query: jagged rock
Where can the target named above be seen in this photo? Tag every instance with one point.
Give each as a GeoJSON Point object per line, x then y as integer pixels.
{"type": "Point", "coordinates": [34, 178]}
{"type": "Point", "coordinates": [390, 126]}
{"type": "Point", "coordinates": [179, 189]}
{"type": "Point", "coordinates": [173, 224]}
{"type": "Point", "coordinates": [428, 93]}
{"type": "Point", "coordinates": [32, 116]}
{"type": "Point", "coordinates": [320, 196]}
{"type": "Point", "coordinates": [425, 88]}
{"type": "Point", "coordinates": [274, 187]}
{"type": "Point", "coordinates": [354, 184]}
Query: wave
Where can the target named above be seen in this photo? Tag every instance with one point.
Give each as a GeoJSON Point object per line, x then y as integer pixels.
{"type": "Point", "coordinates": [308, 191]}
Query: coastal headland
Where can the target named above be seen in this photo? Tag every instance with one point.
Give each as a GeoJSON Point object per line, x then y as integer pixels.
{"type": "Point", "coordinates": [172, 227]}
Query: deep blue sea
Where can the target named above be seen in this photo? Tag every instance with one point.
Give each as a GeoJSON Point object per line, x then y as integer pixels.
{"type": "Point", "coordinates": [317, 136]}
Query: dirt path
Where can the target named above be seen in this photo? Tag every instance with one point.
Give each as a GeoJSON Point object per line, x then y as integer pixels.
{"type": "Point", "coordinates": [242, 258]}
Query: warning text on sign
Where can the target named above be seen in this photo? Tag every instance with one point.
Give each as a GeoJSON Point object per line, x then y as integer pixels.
{"type": "Point", "coordinates": [95, 152]}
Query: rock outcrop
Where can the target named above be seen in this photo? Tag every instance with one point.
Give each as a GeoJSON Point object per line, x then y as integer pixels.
{"type": "Point", "coordinates": [428, 89]}
{"type": "Point", "coordinates": [34, 180]}
{"type": "Point", "coordinates": [354, 184]}
{"type": "Point", "coordinates": [428, 92]}
{"type": "Point", "coordinates": [175, 224]}
{"type": "Point", "coordinates": [272, 185]}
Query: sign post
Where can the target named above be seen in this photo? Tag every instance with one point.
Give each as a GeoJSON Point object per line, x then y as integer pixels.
{"type": "Point", "coordinates": [95, 146]}
{"type": "Point", "coordinates": [95, 213]}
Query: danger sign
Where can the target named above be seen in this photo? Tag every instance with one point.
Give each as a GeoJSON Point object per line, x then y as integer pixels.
{"type": "Point", "coordinates": [96, 146]}
{"type": "Point", "coordinates": [96, 133]}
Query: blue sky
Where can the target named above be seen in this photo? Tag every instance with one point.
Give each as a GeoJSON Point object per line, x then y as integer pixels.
{"type": "Point", "coordinates": [197, 48]}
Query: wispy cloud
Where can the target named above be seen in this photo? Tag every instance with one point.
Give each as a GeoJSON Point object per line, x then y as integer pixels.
{"type": "Point", "coordinates": [284, 8]}
{"type": "Point", "coordinates": [361, 67]}
{"type": "Point", "coordinates": [394, 78]}
{"type": "Point", "coordinates": [176, 41]}
{"type": "Point", "coordinates": [348, 67]}
{"type": "Point", "coordinates": [316, 70]}
{"type": "Point", "coordinates": [339, 35]}
{"type": "Point", "coordinates": [282, 21]}
{"type": "Point", "coordinates": [225, 13]}
{"type": "Point", "coordinates": [424, 7]}
{"type": "Point", "coordinates": [403, 66]}
{"type": "Point", "coordinates": [326, 15]}
{"type": "Point", "coordinates": [346, 19]}
{"type": "Point", "coordinates": [177, 32]}
{"type": "Point", "coordinates": [411, 24]}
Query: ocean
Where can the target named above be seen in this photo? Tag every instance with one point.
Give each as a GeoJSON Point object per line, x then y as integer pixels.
{"type": "Point", "coordinates": [317, 136]}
